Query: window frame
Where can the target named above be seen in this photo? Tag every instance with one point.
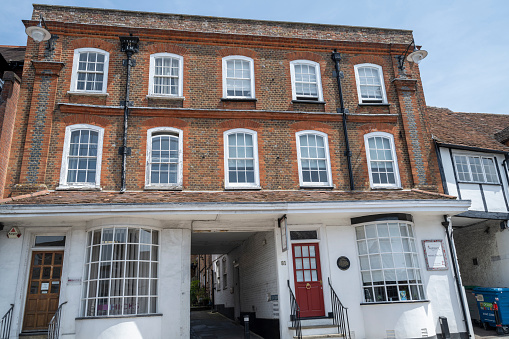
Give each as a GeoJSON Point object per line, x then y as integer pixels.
{"type": "Point", "coordinates": [152, 67]}
{"type": "Point", "coordinates": [63, 184]}
{"type": "Point", "coordinates": [74, 74]}
{"type": "Point", "coordinates": [382, 83]}
{"type": "Point", "coordinates": [481, 157]}
{"type": "Point", "coordinates": [414, 255]}
{"type": "Point", "coordinates": [327, 157]}
{"type": "Point", "coordinates": [227, 184]}
{"type": "Point", "coordinates": [89, 262]}
{"type": "Point", "coordinates": [165, 131]}
{"type": "Point", "coordinates": [397, 177]}
{"type": "Point", "coordinates": [319, 97]}
{"type": "Point", "coordinates": [251, 70]}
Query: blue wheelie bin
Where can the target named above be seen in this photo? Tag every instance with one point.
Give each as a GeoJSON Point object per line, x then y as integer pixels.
{"type": "Point", "coordinates": [493, 304]}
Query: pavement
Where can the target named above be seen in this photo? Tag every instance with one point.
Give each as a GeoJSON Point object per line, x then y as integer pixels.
{"type": "Point", "coordinates": [213, 325]}
{"type": "Point", "coordinates": [490, 333]}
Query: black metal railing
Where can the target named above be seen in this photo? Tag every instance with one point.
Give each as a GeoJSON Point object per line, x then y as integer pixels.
{"type": "Point", "coordinates": [5, 325]}
{"type": "Point", "coordinates": [340, 314]}
{"type": "Point", "coordinates": [54, 324]}
{"type": "Point", "coordinates": [295, 313]}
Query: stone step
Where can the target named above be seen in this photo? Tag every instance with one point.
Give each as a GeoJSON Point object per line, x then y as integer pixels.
{"type": "Point", "coordinates": [37, 335]}
{"type": "Point", "coordinates": [320, 336]}
{"type": "Point", "coordinates": [314, 322]}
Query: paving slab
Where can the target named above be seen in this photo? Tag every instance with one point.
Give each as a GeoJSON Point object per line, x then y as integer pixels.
{"type": "Point", "coordinates": [213, 325]}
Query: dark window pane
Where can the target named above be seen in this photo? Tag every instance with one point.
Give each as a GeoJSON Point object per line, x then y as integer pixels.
{"type": "Point", "coordinates": [303, 235]}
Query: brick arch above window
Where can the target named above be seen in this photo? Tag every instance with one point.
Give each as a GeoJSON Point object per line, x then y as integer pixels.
{"type": "Point", "coordinates": [237, 51]}
{"type": "Point", "coordinates": [369, 59]}
{"type": "Point", "coordinates": [161, 121]}
{"type": "Point", "coordinates": [239, 123]}
{"type": "Point", "coordinates": [167, 48]}
{"type": "Point", "coordinates": [377, 127]}
{"type": "Point", "coordinates": [304, 56]}
{"type": "Point", "coordinates": [86, 119]}
{"type": "Point", "coordinates": [93, 43]}
{"type": "Point", "coordinates": [315, 125]}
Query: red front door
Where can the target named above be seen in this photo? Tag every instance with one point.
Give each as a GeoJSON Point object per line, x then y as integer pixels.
{"type": "Point", "coordinates": [308, 280]}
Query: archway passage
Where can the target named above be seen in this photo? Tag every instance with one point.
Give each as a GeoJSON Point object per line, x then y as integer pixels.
{"type": "Point", "coordinates": [237, 274]}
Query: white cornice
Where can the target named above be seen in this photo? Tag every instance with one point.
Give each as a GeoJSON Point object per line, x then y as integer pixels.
{"type": "Point", "coordinates": [376, 206]}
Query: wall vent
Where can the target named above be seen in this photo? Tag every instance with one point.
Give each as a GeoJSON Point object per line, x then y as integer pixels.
{"type": "Point", "coordinates": [424, 332]}
{"type": "Point", "coordinates": [391, 334]}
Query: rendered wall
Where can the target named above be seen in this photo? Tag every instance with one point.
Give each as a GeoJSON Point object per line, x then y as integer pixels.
{"type": "Point", "coordinates": [487, 243]}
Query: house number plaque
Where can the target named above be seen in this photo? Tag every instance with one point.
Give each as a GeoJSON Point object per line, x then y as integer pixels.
{"type": "Point", "coordinates": [343, 263]}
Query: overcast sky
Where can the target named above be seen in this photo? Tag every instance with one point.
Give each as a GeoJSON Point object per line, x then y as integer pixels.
{"type": "Point", "coordinates": [467, 40]}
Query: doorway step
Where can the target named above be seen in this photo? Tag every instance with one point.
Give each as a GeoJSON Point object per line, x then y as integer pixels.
{"type": "Point", "coordinates": [317, 328]}
{"type": "Point", "coordinates": [34, 335]}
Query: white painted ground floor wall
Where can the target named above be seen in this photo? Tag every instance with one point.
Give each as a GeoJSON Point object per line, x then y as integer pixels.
{"type": "Point", "coordinates": [267, 269]}
{"type": "Point", "coordinates": [173, 283]}
{"type": "Point", "coordinates": [406, 319]}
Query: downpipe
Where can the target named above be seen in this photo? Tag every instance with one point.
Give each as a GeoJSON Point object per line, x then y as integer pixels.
{"type": "Point", "coordinates": [448, 230]}
{"type": "Point", "coordinates": [129, 45]}
{"type": "Point", "coordinates": [336, 57]}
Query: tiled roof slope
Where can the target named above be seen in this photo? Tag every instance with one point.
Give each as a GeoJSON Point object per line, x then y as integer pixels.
{"type": "Point", "coordinates": [13, 53]}
{"type": "Point", "coordinates": [468, 129]}
{"type": "Point", "coordinates": [81, 197]}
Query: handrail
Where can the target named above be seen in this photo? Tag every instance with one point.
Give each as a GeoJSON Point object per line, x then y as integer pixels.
{"type": "Point", "coordinates": [54, 324]}
{"type": "Point", "coordinates": [340, 314]}
{"type": "Point", "coordinates": [295, 313]}
{"type": "Point", "coordinates": [5, 324]}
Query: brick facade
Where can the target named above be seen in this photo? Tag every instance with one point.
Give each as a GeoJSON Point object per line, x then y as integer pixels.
{"type": "Point", "coordinates": [46, 105]}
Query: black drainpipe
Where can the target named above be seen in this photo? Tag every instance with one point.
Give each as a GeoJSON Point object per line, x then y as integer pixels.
{"type": "Point", "coordinates": [338, 74]}
{"type": "Point", "coordinates": [129, 46]}
{"type": "Point", "coordinates": [448, 230]}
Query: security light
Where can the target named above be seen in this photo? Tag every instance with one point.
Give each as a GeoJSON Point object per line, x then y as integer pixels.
{"type": "Point", "coordinates": [416, 56]}
{"type": "Point", "coordinates": [39, 33]}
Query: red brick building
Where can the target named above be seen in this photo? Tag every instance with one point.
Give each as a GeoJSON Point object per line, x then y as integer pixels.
{"type": "Point", "coordinates": [278, 144]}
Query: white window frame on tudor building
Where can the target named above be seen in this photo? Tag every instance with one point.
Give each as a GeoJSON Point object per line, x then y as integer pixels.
{"type": "Point", "coordinates": [480, 176]}
{"type": "Point", "coordinates": [303, 157]}
{"type": "Point", "coordinates": [75, 71]}
{"type": "Point", "coordinates": [363, 81]}
{"type": "Point", "coordinates": [389, 262]}
{"type": "Point", "coordinates": [394, 160]}
{"type": "Point", "coordinates": [64, 171]}
{"type": "Point", "coordinates": [299, 79]}
{"type": "Point", "coordinates": [228, 156]}
{"type": "Point", "coordinates": [121, 271]}
{"type": "Point", "coordinates": [226, 78]}
{"type": "Point", "coordinates": [166, 131]}
{"type": "Point", "coordinates": [179, 76]}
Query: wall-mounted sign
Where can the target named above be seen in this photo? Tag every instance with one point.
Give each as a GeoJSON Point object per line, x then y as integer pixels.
{"type": "Point", "coordinates": [13, 233]}
{"type": "Point", "coordinates": [283, 228]}
{"type": "Point", "coordinates": [434, 253]}
{"type": "Point", "coordinates": [343, 263]}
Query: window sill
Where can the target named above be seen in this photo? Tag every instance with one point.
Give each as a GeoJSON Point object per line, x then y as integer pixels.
{"type": "Point", "coordinates": [240, 99]}
{"type": "Point", "coordinates": [299, 101]}
{"type": "Point", "coordinates": [163, 188]}
{"type": "Point", "coordinates": [237, 188]}
{"type": "Point", "coordinates": [387, 188]}
{"type": "Point", "coordinates": [165, 97]}
{"type": "Point", "coordinates": [316, 187]}
{"type": "Point", "coordinates": [88, 94]}
{"type": "Point", "coordinates": [120, 316]}
{"type": "Point", "coordinates": [395, 302]}
{"type": "Point", "coordinates": [78, 188]}
{"type": "Point", "coordinates": [374, 104]}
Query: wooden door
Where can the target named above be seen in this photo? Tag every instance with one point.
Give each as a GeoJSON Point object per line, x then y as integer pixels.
{"type": "Point", "coordinates": [308, 280]}
{"type": "Point", "coordinates": [43, 289]}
